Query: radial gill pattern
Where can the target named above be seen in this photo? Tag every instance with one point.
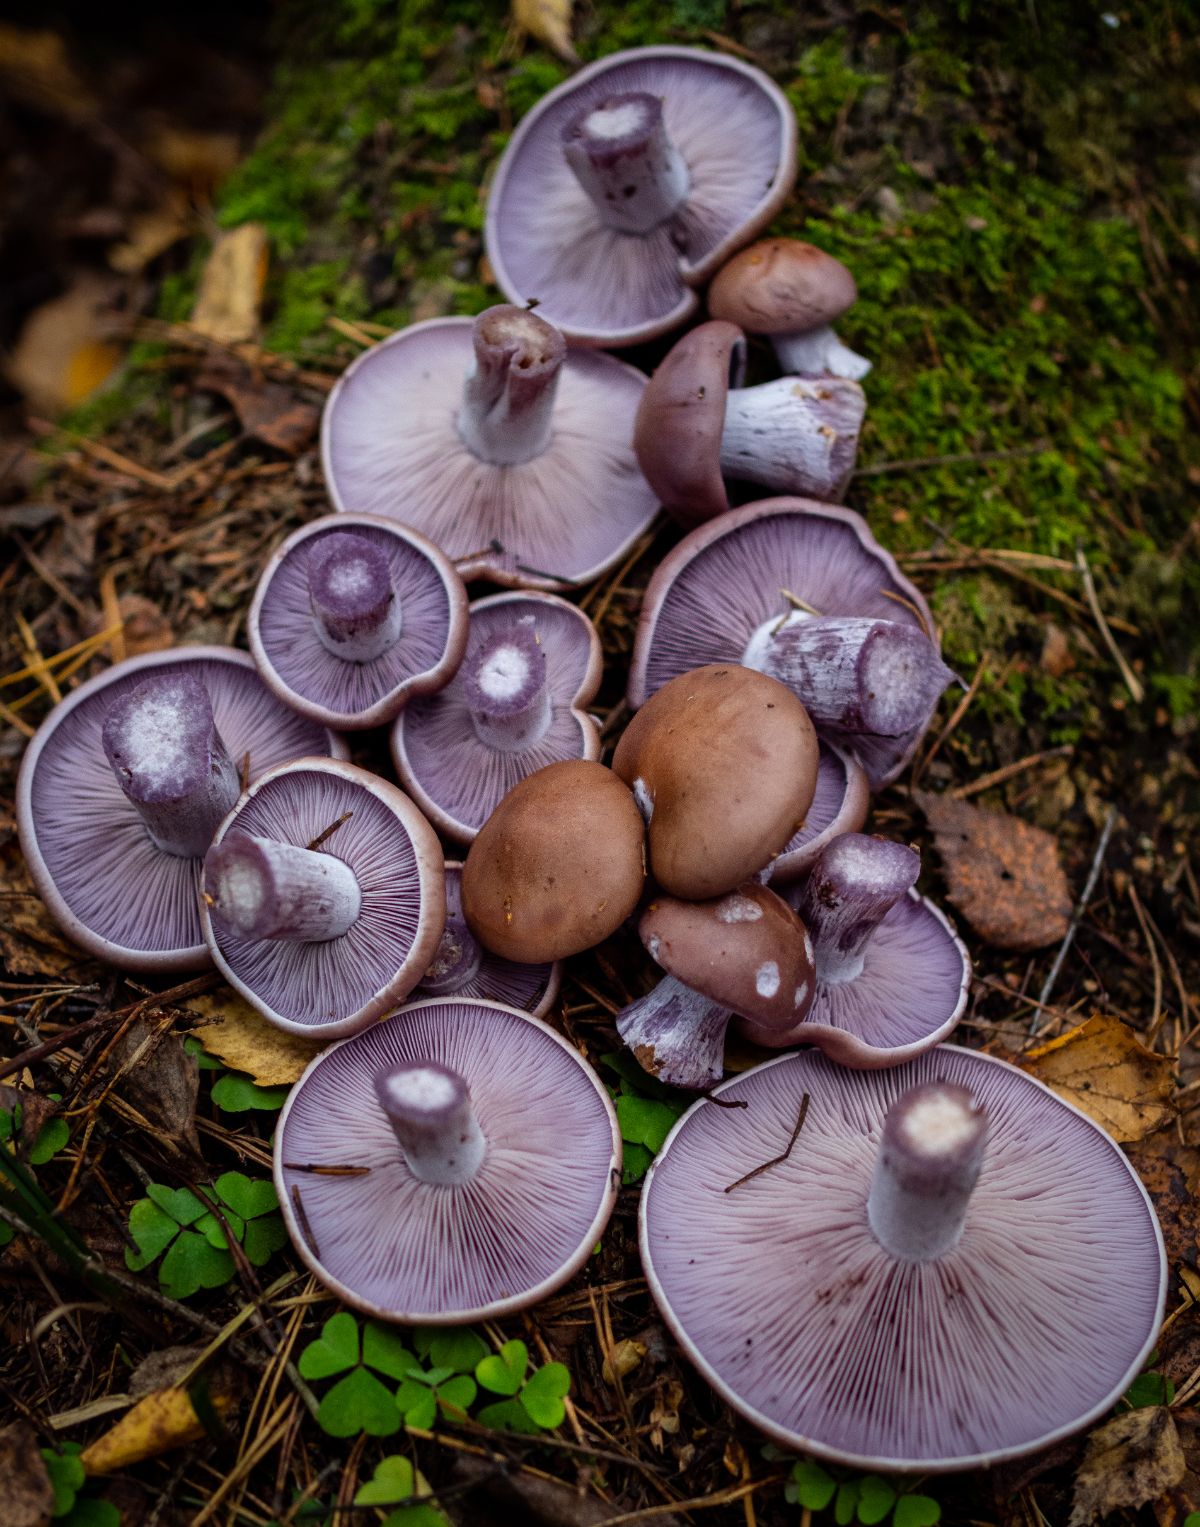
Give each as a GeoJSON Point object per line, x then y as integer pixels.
{"type": "Point", "coordinates": [1028, 1329]}
{"type": "Point", "coordinates": [412, 1251]}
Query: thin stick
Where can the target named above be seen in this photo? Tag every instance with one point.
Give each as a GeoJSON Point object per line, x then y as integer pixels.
{"type": "Point", "coordinates": [1156, 967]}
{"type": "Point", "coordinates": [302, 1216]}
{"type": "Point", "coordinates": [330, 830]}
{"type": "Point", "coordinates": [998, 776]}
{"type": "Point", "coordinates": [1110, 822]}
{"type": "Point", "coordinates": [800, 604]}
{"type": "Point", "coordinates": [326, 1171]}
{"type": "Point", "coordinates": [784, 1154]}
{"type": "Point", "coordinates": [1132, 682]}
{"type": "Point", "coordinates": [959, 711]}
{"type": "Point", "coordinates": [919, 463]}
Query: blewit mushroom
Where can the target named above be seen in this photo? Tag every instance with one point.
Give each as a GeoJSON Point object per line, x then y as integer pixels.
{"type": "Point", "coordinates": [462, 1203]}
{"type": "Point", "coordinates": [629, 184]}
{"type": "Point", "coordinates": [485, 435]}
{"type": "Point", "coordinates": [840, 803]}
{"type": "Point", "coordinates": [866, 1298]}
{"type": "Point", "coordinates": [124, 785]}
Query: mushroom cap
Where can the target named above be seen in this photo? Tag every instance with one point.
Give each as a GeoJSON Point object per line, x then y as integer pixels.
{"type": "Point", "coordinates": [532, 988]}
{"type": "Point", "coordinates": [390, 446]}
{"type": "Point", "coordinates": [782, 1297]}
{"type": "Point", "coordinates": [455, 777]}
{"type": "Point", "coordinates": [723, 581]}
{"type": "Point", "coordinates": [840, 804]}
{"type": "Point", "coordinates": [723, 762]}
{"type": "Point", "coordinates": [102, 878]}
{"type": "Point", "coordinates": [558, 866]}
{"type": "Point", "coordinates": [677, 435]}
{"type": "Point", "coordinates": [736, 133]}
{"type": "Point", "coordinates": [747, 950]}
{"type": "Point", "coordinates": [338, 986]}
{"type": "Point", "coordinates": [401, 1249]}
{"type": "Point", "coordinates": [310, 678]}
{"type": "Point", "coordinates": [781, 286]}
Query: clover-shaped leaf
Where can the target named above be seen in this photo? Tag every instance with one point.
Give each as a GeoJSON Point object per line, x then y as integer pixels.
{"type": "Point", "coordinates": [875, 1499]}
{"type": "Point", "coordinates": [502, 1371]}
{"type": "Point", "coordinates": [249, 1197]}
{"type": "Point", "coordinates": [358, 1403]}
{"type": "Point", "coordinates": [918, 1511]}
{"type": "Point", "coordinates": [152, 1231]}
{"type": "Point", "coordinates": [384, 1351]}
{"type": "Point", "coordinates": [394, 1480]}
{"type": "Point", "coordinates": [645, 1121]}
{"type": "Point", "coordinates": [233, 1093]}
{"type": "Point", "coordinates": [92, 1512]}
{"type": "Point", "coordinates": [846, 1502]}
{"type": "Point", "coordinates": [67, 1475]}
{"type": "Point", "coordinates": [543, 1395]}
{"type": "Point", "coordinates": [50, 1138]}
{"type": "Point", "coordinates": [455, 1347]}
{"type": "Point", "coordinates": [507, 1416]}
{"type": "Point", "coordinates": [335, 1350]}
{"type": "Point", "coordinates": [180, 1203]}
{"type": "Point", "coordinates": [191, 1264]}
{"type": "Point", "coordinates": [810, 1485]}
{"type": "Point", "coordinates": [457, 1395]}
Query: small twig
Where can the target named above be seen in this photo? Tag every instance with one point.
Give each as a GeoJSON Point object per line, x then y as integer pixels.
{"type": "Point", "coordinates": [909, 605]}
{"type": "Point", "coordinates": [1132, 682]}
{"type": "Point", "coordinates": [959, 711]}
{"type": "Point", "coordinates": [998, 776]}
{"type": "Point", "coordinates": [1110, 822]}
{"type": "Point", "coordinates": [302, 1216]}
{"type": "Point", "coordinates": [331, 829]}
{"type": "Point", "coordinates": [919, 463]}
{"type": "Point", "coordinates": [783, 1155]}
{"type": "Point", "coordinates": [800, 604]}
{"type": "Point", "coordinates": [326, 1171]}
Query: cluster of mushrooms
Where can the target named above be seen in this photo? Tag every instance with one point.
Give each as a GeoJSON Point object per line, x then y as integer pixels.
{"type": "Point", "coordinates": [914, 1285]}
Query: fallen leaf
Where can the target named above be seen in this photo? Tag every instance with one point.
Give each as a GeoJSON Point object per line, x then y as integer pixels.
{"type": "Point", "coordinates": [1003, 875]}
{"type": "Point", "coordinates": [62, 354]}
{"type": "Point", "coordinates": [235, 1033]}
{"type": "Point", "coordinates": [26, 1494]}
{"type": "Point", "coordinates": [158, 1077]}
{"type": "Point", "coordinates": [267, 410]}
{"type": "Point", "coordinates": [1131, 1460]}
{"type": "Point", "coordinates": [550, 22]}
{"type": "Point", "coordinates": [1104, 1069]}
{"type": "Point", "coordinates": [1168, 1170]}
{"type": "Point", "coordinates": [623, 1359]}
{"type": "Point", "coordinates": [29, 938]}
{"type": "Point", "coordinates": [151, 234]}
{"type": "Point", "coordinates": [162, 1420]}
{"type": "Point", "coordinates": [231, 286]}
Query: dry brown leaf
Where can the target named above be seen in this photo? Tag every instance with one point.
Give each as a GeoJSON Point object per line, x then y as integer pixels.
{"type": "Point", "coordinates": [197, 162]}
{"type": "Point", "coordinates": [231, 286]}
{"type": "Point", "coordinates": [26, 1494]}
{"type": "Point", "coordinates": [35, 68]}
{"type": "Point", "coordinates": [29, 938]}
{"type": "Point", "coordinates": [1104, 1069]}
{"type": "Point", "coordinates": [163, 1420]}
{"type": "Point", "coordinates": [151, 234]}
{"type": "Point", "coordinates": [1003, 875]}
{"type": "Point", "coordinates": [235, 1033]}
{"type": "Point", "coordinates": [623, 1359]}
{"type": "Point", "coordinates": [1170, 1172]}
{"type": "Point", "coordinates": [62, 355]}
{"type": "Point", "coordinates": [159, 1078]}
{"type": "Point", "coordinates": [1129, 1461]}
{"type": "Point", "coordinates": [267, 410]}
{"type": "Point", "coordinates": [550, 22]}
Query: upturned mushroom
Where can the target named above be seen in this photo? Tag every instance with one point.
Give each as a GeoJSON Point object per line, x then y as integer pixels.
{"type": "Point", "coordinates": [792, 292]}
{"type": "Point", "coordinates": [840, 804]}
{"type": "Point", "coordinates": [697, 424]}
{"type": "Point", "coordinates": [722, 762]}
{"type": "Point", "coordinates": [629, 184]}
{"type": "Point", "coordinates": [124, 785]}
{"type": "Point", "coordinates": [514, 455]}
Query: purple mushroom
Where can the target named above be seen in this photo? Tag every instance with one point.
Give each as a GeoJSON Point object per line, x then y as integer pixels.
{"type": "Point", "coordinates": [462, 967]}
{"type": "Point", "coordinates": [356, 616]}
{"type": "Point", "coordinates": [486, 436]}
{"type": "Point", "coordinates": [124, 785]}
{"type": "Point", "coordinates": [914, 1286]}
{"type": "Point", "coordinates": [515, 706]}
{"type": "Point", "coordinates": [804, 592]}
{"type": "Point", "coordinates": [322, 898]}
{"type": "Point", "coordinates": [629, 184]}
{"type": "Point", "coordinates": [839, 804]}
{"type": "Point", "coordinates": [460, 1202]}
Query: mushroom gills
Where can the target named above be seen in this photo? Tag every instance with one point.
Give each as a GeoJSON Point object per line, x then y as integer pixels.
{"type": "Point", "coordinates": [263, 889]}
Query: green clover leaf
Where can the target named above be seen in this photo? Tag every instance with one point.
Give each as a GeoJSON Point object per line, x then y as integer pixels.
{"type": "Point", "coordinates": [507, 1416]}
{"type": "Point", "coordinates": [233, 1093]}
{"type": "Point", "coordinates": [455, 1347]}
{"type": "Point", "coordinates": [393, 1481]}
{"type": "Point", "coordinates": [192, 1264]}
{"type": "Point", "coordinates": [543, 1395]}
{"type": "Point", "coordinates": [335, 1350]}
{"type": "Point", "coordinates": [152, 1231]}
{"type": "Point", "coordinates": [180, 1203]}
{"type": "Point", "coordinates": [1149, 1389]}
{"type": "Point", "coordinates": [358, 1403]}
{"type": "Point", "coordinates": [875, 1499]}
{"type": "Point", "coordinates": [502, 1371]}
{"type": "Point", "coordinates": [93, 1512]}
{"type": "Point", "coordinates": [456, 1396]}
{"type": "Point", "coordinates": [417, 1403]}
{"type": "Point", "coordinates": [810, 1485]}
{"type": "Point", "coordinates": [384, 1351]}
{"type": "Point", "coordinates": [205, 1061]}
{"type": "Point", "coordinates": [67, 1475]}
{"type": "Point", "coordinates": [249, 1197]}
{"type": "Point", "coordinates": [263, 1238]}
{"type": "Point", "coordinates": [846, 1502]}
{"type": "Point", "coordinates": [924, 1511]}
{"type": "Point", "coordinates": [644, 1121]}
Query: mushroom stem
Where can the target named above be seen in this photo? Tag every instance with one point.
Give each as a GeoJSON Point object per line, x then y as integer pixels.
{"type": "Point", "coordinates": [506, 688]}
{"type": "Point", "coordinates": [355, 609]}
{"type": "Point", "coordinates": [508, 395]}
{"type": "Point", "coordinates": [430, 1110]}
{"type": "Point", "coordinates": [850, 890]}
{"type": "Point", "coordinates": [928, 1164]}
{"type": "Point", "coordinates": [858, 675]}
{"type": "Point", "coordinates": [264, 889]}
{"type": "Point", "coordinates": [624, 159]}
{"type": "Point", "coordinates": [819, 352]}
{"type": "Point", "coordinates": [676, 1034]}
{"type": "Point", "coordinates": [796, 434]}
{"type": "Point", "coordinates": [456, 962]}
{"type": "Point", "coordinates": [162, 744]}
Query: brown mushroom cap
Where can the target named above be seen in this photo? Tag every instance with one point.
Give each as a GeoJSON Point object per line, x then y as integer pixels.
{"type": "Point", "coordinates": [558, 866]}
{"type": "Point", "coordinates": [723, 763]}
{"type": "Point", "coordinates": [781, 286]}
{"type": "Point", "coordinates": [748, 951]}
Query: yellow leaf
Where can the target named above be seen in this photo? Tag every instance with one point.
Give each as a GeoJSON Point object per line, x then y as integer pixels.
{"type": "Point", "coordinates": [62, 354]}
{"type": "Point", "coordinates": [163, 1420]}
{"type": "Point", "coordinates": [623, 1359]}
{"type": "Point", "coordinates": [550, 22]}
{"type": "Point", "coordinates": [1104, 1069]}
{"type": "Point", "coordinates": [231, 287]}
{"type": "Point", "coordinates": [235, 1033]}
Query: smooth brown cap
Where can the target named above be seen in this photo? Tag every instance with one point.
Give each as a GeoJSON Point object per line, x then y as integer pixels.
{"type": "Point", "coordinates": [781, 286]}
{"type": "Point", "coordinates": [723, 763]}
{"type": "Point", "coordinates": [557, 867]}
{"type": "Point", "coordinates": [747, 950]}
{"type": "Point", "coordinates": [677, 433]}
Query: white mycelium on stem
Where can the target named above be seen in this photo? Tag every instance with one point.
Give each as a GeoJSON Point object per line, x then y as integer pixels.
{"type": "Point", "coordinates": [355, 609]}
{"type": "Point", "coordinates": [508, 396]}
{"type": "Point", "coordinates": [506, 688]}
{"type": "Point", "coordinates": [928, 1164]}
{"type": "Point", "coordinates": [796, 434]}
{"type": "Point", "coordinates": [264, 889]}
{"type": "Point", "coordinates": [849, 891]}
{"type": "Point", "coordinates": [430, 1110]}
{"type": "Point", "coordinates": [817, 352]}
{"type": "Point", "coordinates": [624, 159]}
{"type": "Point", "coordinates": [162, 744]}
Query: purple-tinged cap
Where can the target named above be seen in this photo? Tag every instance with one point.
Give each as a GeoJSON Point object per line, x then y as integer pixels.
{"type": "Point", "coordinates": [462, 967]}
{"type": "Point", "coordinates": [465, 1204]}
{"type": "Point", "coordinates": [840, 804]}
{"type": "Point", "coordinates": [323, 897]}
{"type": "Point", "coordinates": [354, 617]}
{"type": "Point", "coordinates": [516, 705]}
{"type": "Point", "coordinates": [722, 595]}
{"type": "Point", "coordinates": [91, 830]}
{"type": "Point", "coordinates": [630, 183]}
{"type": "Point", "coordinates": [948, 1351]}
{"type": "Point", "coordinates": [524, 475]}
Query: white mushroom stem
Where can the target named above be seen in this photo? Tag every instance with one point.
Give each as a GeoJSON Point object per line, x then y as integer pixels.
{"type": "Point", "coordinates": [624, 159]}
{"type": "Point", "coordinates": [508, 396]}
{"type": "Point", "coordinates": [430, 1110]}
{"type": "Point", "coordinates": [507, 690]}
{"type": "Point", "coordinates": [162, 744]}
{"type": "Point", "coordinates": [853, 673]}
{"type": "Point", "coordinates": [355, 609]}
{"type": "Point", "coordinates": [264, 889]}
{"type": "Point", "coordinates": [676, 1034]}
{"type": "Point", "coordinates": [850, 889]}
{"type": "Point", "coordinates": [819, 352]}
{"type": "Point", "coordinates": [796, 434]}
{"type": "Point", "coordinates": [928, 1163]}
